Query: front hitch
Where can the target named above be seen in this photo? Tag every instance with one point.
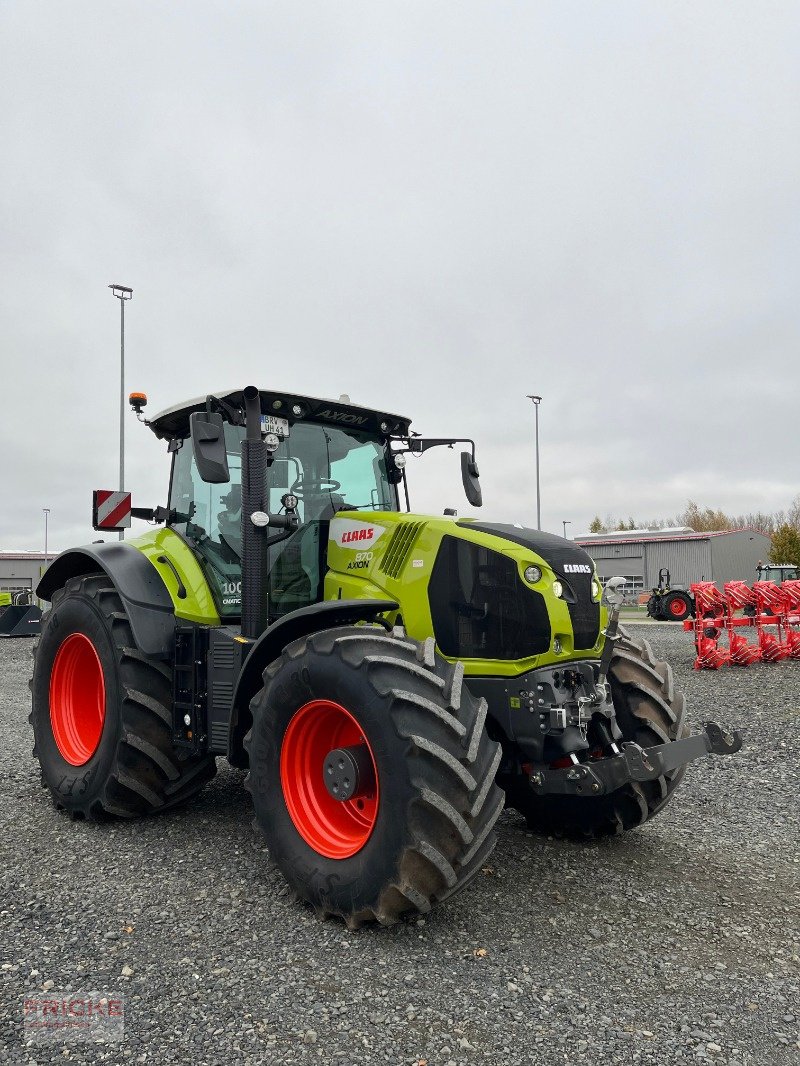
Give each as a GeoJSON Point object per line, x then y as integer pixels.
{"type": "Point", "coordinates": [602, 776]}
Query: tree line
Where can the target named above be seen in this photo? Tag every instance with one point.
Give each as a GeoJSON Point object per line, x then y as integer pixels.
{"type": "Point", "coordinates": [782, 526]}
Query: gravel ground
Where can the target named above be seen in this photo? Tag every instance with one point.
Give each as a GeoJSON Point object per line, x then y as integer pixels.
{"type": "Point", "coordinates": [676, 943]}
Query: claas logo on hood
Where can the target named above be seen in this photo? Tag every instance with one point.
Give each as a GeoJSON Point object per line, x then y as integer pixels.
{"type": "Point", "coordinates": [358, 534]}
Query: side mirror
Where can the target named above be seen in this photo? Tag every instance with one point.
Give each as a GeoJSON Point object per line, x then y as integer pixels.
{"type": "Point", "coordinates": [208, 444]}
{"type": "Point", "coordinates": [469, 476]}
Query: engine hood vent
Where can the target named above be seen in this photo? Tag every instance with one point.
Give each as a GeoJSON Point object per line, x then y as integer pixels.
{"type": "Point", "coordinates": [399, 547]}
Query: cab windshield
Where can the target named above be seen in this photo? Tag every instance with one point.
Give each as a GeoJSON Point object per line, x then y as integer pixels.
{"type": "Point", "coordinates": [785, 573]}
{"type": "Point", "coordinates": [328, 469]}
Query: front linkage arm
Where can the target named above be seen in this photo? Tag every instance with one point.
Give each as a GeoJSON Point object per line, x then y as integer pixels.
{"type": "Point", "coordinates": [633, 764]}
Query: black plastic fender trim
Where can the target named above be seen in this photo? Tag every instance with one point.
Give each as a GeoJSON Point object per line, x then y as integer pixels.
{"type": "Point", "coordinates": [148, 603]}
{"type": "Point", "coordinates": [324, 615]}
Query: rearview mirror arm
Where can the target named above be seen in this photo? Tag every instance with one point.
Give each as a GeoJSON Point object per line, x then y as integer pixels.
{"type": "Point", "coordinates": [234, 415]}
{"type": "Point", "coordinates": [418, 445]}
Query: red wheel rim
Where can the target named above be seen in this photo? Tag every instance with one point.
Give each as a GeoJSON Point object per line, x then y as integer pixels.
{"type": "Point", "coordinates": [334, 828]}
{"type": "Point", "coordinates": [678, 608]}
{"type": "Point", "coordinates": [77, 699]}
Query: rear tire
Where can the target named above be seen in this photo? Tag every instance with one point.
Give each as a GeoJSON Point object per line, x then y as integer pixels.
{"type": "Point", "coordinates": [650, 711]}
{"type": "Point", "coordinates": [101, 714]}
{"type": "Point", "coordinates": [429, 824]}
{"type": "Point", "coordinates": [677, 607]}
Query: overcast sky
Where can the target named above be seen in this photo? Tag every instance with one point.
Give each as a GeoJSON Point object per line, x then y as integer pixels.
{"type": "Point", "coordinates": [434, 207]}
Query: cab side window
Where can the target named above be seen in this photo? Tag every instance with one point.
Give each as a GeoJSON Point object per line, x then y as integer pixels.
{"type": "Point", "coordinates": [209, 518]}
{"type": "Point", "coordinates": [328, 468]}
{"type": "Point", "coordinates": [362, 478]}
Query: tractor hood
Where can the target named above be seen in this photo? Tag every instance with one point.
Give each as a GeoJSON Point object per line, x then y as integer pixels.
{"type": "Point", "coordinates": [568, 560]}
{"type": "Point", "coordinates": [466, 581]}
{"type": "Point", "coordinates": [572, 566]}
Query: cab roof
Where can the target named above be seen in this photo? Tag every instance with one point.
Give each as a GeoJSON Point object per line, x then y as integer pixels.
{"type": "Point", "coordinates": [174, 421]}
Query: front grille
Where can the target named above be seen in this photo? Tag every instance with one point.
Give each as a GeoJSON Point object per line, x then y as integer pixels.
{"type": "Point", "coordinates": [584, 612]}
{"type": "Point", "coordinates": [399, 547]}
{"type": "Point", "coordinates": [479, 607]}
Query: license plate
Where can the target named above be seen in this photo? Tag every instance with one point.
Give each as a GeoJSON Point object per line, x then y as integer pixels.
{"type": "Point", "coordinates": [272, 424]}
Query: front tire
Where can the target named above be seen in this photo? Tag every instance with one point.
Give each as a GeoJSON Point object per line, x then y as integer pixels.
{"type": "Point", "coordinates": [654, 607]}
{"type": "Point", "coordinates": [101, 711]}
{"type": "Point", "coordinates": [650, 711]}
{"type": "Point", "coordinates": [419, 826]}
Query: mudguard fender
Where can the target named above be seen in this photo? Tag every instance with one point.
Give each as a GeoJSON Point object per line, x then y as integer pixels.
{"type": "Point", "coordinates": [270, 644]}
{"type": "Point", "coordinates": [147, 602]}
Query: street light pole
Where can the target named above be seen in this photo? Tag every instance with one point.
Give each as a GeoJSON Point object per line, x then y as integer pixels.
{"type": "Point", "coordinates": [122, 293]}
{"type": "Point", "coordinates": [536, 401]}
{"type": "Point", "coordinates": [46, 514]}
{"type": "Point", "coordinates": [566, 522]}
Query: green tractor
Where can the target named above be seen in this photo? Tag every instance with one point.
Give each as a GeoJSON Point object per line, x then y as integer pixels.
{"type": "Point", "coordinates": [777, 572]}
{"type": "Point", "coordinates": [389, 680]}
{"type": "Point", "coordinates": [668, 604]}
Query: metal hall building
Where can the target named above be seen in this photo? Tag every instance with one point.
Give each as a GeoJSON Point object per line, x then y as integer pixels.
{"type": "Point", "coordinates": [638, 555]}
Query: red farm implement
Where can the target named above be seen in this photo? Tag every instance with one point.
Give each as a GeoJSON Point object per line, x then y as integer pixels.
{"type": "Point", "coordinates": [741, 607]}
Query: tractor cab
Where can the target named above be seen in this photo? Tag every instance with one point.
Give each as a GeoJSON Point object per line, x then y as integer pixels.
{"type": "Point", "coordinates": [777, 572]}
{"type": "Point", "coordinates": [326, 468]}
{"type": "Point", "coordinates": [308, 459]}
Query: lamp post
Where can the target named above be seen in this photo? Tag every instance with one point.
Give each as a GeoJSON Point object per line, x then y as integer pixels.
{"type": "Point", "coordinates": [46, 515]}
{"type": "Point", "coordinates": [566, 522]}
{"type": "Point", "coordinates": [536, 401]}
{"type": "Point", "coordinates": [122, 293]}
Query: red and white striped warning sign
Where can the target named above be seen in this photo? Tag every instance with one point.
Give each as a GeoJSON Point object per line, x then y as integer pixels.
{"type": "Point", "coordinates": [111, 510]}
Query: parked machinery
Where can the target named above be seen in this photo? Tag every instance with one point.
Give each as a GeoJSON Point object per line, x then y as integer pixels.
{"type": "Point", "coordinates": [21, 617]}
{"type": "Point", "coordinates": [390, 680]}
{"type": "Point", "coordinates": [771, 610]}
{"type": "Point", "coordinates": [667, 604]}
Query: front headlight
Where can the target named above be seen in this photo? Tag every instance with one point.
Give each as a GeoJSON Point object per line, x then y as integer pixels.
{"type": "Point", "coordinates": [533, 574]}
{"type": "Point", "coordinates": [596, 590]}
{"type": "Point", "coordinates": [558, 588]}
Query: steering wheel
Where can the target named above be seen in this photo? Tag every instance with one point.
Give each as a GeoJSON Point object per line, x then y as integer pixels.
{"type": "Point", "coordinates": [321, 484]}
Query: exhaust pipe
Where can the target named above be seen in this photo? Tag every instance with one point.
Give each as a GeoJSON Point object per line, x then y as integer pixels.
{"type": "Point", "coordinates": [252, 412]}
{"type": "Point", "coordinates": [255, 550]}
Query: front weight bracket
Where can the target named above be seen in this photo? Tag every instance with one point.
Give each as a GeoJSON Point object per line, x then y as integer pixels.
{"type": "Point", "coordinates": [601, 776]}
